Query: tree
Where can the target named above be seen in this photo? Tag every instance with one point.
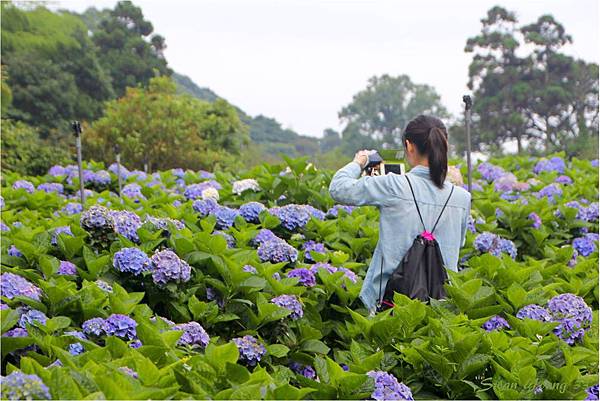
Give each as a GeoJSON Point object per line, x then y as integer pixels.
{"type": "Point", "coordinates": [158, 126]}
{"type": "Point", "coordinates": [130, 53]}
{"type": "Point", "coordinates": [382, 110]}
{"type": "Point", "coordinates": [331, 139]}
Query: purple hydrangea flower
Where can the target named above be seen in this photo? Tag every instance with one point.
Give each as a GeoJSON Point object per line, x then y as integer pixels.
{"type": "Point", "coordinates": [24, 184]}
{"type": "Point", "coordinates": [230, 240]}
{"type": "Point", "coordinates": [135, 344]}
{"type": "Point", "coordinates": [277, 251]}
{"type": "Point", "coordinates": [552, 192]}
{"type": "Point", "coordinates": [72, 208]}
{"type": "Point", "coordinates": [121, 326]}
{"type": "Point", "coordinates": [76, 349]}
{"type": "Point", "coordinates": [573, 314]}
{"type": "Point", "coordinates": [67, 268]}
{"type": "Point", "coordinates": [97, 218]}
{"type": "Point", "coordinates": [76, 334]}
{"type": "Point", "coordinates": [14, 251]}
{"type": "Point", "coordinates": [314, 212]}
{"type": "Point", "coordinates": [13, 285]}
{"type": "Point", "coordinates": [116, 169]}
{"type": "Point", "coordinates": [304, 370]}
{"type": "Point", "coordinates": [312, 246]}
{"type": "Point", "coordinates": [162, 223]}
{"type": "Point", "coordinates": [131, 260]}
{"type": "Point", "coordinates": [193, 334]}
{"type": "Point", "coordinates": [29, 316]}
{"type": "Point", "coordinates": [495, 323]}
{"type": "Point", "coordinates": [489, 172]}
{"type": "Point", "coordinates": [249, 269]}
{"type": "Point", "coordinates": [321, 265]}
{"type": "Point", "coordinates": [592, 392]}
{"type": "Point", "coordinates": [594, 163]}
{"type": "Point", "coordinates": [3, 306]}
{"type": "Point", "coordinates": [4, 227]}
{"type": "Point", "coordinates": [349, 274]}
{"type": "Point", "coordinates": [205, 206]}
{"type": "Point", "coordinates": [95, 326]}
{"type": "Point", "coordinates": [57, 170]}
{"type": "Point", "coordinates": [205, 174]}
{"type": "Point", "coordinates": [251, 351]}
{"type": "Point", "coordinates": [168, 267]}
{"type": "Point", "coordinates": [537, 221]}
{"type": "Point", "coordinates": [19, 386]}
{"type": "Point", "coordinates": [292, 216]}
{"type": "Point", "coordinates": [563, 179]}
{"type": "Point", "coordinates": [554, 164]}
{"type": "Point", "coordinates": [178, 172]}
{"type": "Point", "coordinates": [133, 191]}
{"type": "Point", "coordinates": [251, 210]}
{"type": "Point", "coordinates": [51, 187]}
{"type": "Point", "coordinates": [494, 244]}
{"type": "Point", "coordinates": [305, 276]}
{"type": "Point", "coordinates": [387, 387]}
{"type": "Point", "coordinates": [474, 186]}
{"type": "Point", "coordinates": [66, 230]}
{"type": "Point", "coordinates": [291, 303]}
{"type": "Point", "coordinates": [16, 332]}
{"type": "Point", "coordinates": [505, 183]}
{"type": "Point", "coordinates": [128, 371]}
{"type": "Point", "coordinates": [104, 286]}
{"type": "Point", "coordinates": [194, 191]}
{"type": "Point", "coordinates": [126, 224]}
{"type": "Point", "coordinates": [334, 211]}
{"type": "Point", "coordinates": [584, 245]}
{"type": "Point", "coordinates": [225, 216]}
{"type": "Point", "coordinates": [471, 224]}
{"type": "Point", "coordinates": [265, 235]}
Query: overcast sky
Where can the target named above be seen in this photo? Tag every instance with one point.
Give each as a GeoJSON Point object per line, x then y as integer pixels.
{"type": "Point", "coordinates": [302, 61]}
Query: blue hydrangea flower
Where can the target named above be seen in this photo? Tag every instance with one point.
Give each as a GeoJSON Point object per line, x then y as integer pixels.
{"type": "Point", "coordinates": [193, 334]}
{"type": "Point", "coordinates": [265, 235]}
{"type": "Point", "coordinates": [205, 206]}
{"type": "Point", "coordinates": [554, 164]}
{"type": "Point", "coordinates": [51, 187]}
{"type": "Point", "coordinates": [584, 245]}
{"type": "Point", "coordinates": [251, 210]}
{"type": "Point", "coordinates": [16, 332]}
{"type": "Point", "coordinates": [489, 172]}
{"type": "Point", "coordinates": [535, 312]}
{"type": "Point", "coordinates": [168, 267]}
{"type": "Point", "coordinates": [325, 266]}
{"type": "Point", "coordinates": [474, 186]}
{"type": "Point", "coordinates": [19, 386]}
{"type": "Point", "coordinates": [563, 179]}
{"type": "Point", "coordinates": [135, 344]}
{"type": "Point", "coordinates": [505, 182]}
{"type": "Point", "coordinates": [24, 184]}
{"type": "Point", "coordinates": [205, 174]}
{"type": "Point", "coordinates": [291, 303]}
{"type": "Point", "coordinates": [304, 370]}
{"type": "Point", "coordinates": [495, 323]}
{"type": "Point", "coordinates": [230, 240]}
{"type": "Point", "coordinates": [277, 251]}
{"type": "Point", "coordinates": [116, 169]}
{"type": "Point", "coordinates": [387, 387]}
{"type": "Point", "coordinates": [573, 314]}
{"type": "Point", "coordinates": [131, 260]}
{"type": "Point", "coordinates": [225, 216]}
{"type": "Point", "coordinates": [4, 227]}
{"type": "Point", "coordinates": [592, 392]}
{"type": "Point", "coordinates": [121, 326]}
{"type": "Point", "coordinates": [104, 286]}
{"type": "Point", "coordinates": [66, 230]}
{"type": "Point", "coordinates": [76, 334]}
{"type": "Point", "coordinates": [97, 218]}
{"type": "Point", "coordinates": [304, 276]}
{"type": "Point", "coordinates": [314, 212]}
{"type": "Point", "coordinates": [334, 211]}
{"type": "Point", "coordinates": [251, 351]}
{"type": "Point", "coordinates": [178, 172]}
{"type": "Point", "coordinates": [249, 269]}
{"type": "Point", "coordinates": [494, 244]}
{"type": "Point", "coordinates": [13, 285]}
{"type": "Point", "coordinates": [194, 191]}
{"type": "Point", "coordinates": [133, 191]}
{"type": "Point", "coordinates": [162, 223]}
{"type": "Point", "coordinates": [14, 251]}
{"type": "Point", "coordinates": [76, 349]}
{"type": "Point", "coordinates": [292, 216]}
{"type": "Point", "coordinates": [3, 306]}
{"type": "Point", "coordinates": [95, 326]}
{"type": "Point", "coordinates": [126, 224]}
{"type": "Point", "coordinates": [67, 268]}
{"type": "Point", "coordinates": [349, 274]}
{"type": "Point", "coordinates": [29, 316]}
{"type": "Point", "coordinates": [312, 246]}
{"type": "Point", "coordinates": [128, 371]}
{"type": "Point", "coordinates": [56, 170]}
{"type": "Point", "coordinates": [537, 221]}
{"type": "Point", "coordinates": [72, 208]}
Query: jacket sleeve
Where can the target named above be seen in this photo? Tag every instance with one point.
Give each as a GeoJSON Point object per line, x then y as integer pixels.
{"type": "Point", "coordinates": [465, 221]}
{"type": "Point", "coordinates": [346, 187]}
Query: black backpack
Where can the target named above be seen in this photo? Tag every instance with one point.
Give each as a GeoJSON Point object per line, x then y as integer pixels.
{"type": "Point", "coordinates": [421, 273]}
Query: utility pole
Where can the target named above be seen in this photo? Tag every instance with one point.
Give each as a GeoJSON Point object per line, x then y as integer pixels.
{"type": "Point", "coordinates": [77, 131]}
{"type": "Point", "coordinates": [468, 106]}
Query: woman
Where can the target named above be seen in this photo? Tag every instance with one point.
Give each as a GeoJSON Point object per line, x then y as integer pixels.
{"type": "Point", "coordinates": [425, 140]}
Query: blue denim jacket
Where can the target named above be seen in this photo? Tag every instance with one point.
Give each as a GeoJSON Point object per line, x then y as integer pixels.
{"type": "Point", "coordinates": [399, 221]}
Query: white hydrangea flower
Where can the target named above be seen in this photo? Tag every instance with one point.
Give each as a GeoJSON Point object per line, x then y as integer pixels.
{"type": "Point", "coordinates": [244, 185]}
{"type": "Point", "coordinates": [210, 193]}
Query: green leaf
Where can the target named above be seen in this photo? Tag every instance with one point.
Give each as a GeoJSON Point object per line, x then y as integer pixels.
{"type": "Point", "coordinates": [219, 355]}
{"type": "Point", "coordinates": [10, 317]}
{"type": "Point", "coordinates": [315, 346]}
{"type": "Point", "coordinates": [277, 350]}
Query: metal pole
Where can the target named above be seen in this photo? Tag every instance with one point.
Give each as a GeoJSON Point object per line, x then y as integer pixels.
{"type": "Point", "coordinates": [468, 105]}
{"type": "Point", "coordinates": [77, 131]}
{"type": "Point", "coordinates": [118, 153]}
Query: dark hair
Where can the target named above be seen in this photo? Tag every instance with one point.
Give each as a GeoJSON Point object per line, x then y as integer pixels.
{"type": "Point", "coordinates": [429, 135]}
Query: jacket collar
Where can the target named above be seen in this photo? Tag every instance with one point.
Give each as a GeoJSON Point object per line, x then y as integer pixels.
{"type": "Point", "coordinates": [420, 170]}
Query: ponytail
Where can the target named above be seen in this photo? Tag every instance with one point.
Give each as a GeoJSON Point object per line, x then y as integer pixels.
{"type": "Point", "coordinates": [437, 155]}
{"type": "Point", "coordinates": [430, 137]}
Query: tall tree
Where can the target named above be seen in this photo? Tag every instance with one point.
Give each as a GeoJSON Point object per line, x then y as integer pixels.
{"type": "Point", "coordinates": [382, 110]}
